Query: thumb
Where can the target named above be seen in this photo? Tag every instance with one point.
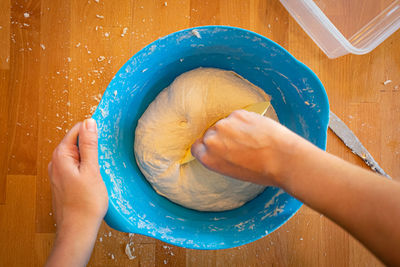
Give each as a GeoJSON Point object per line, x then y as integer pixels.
{"type": "Point", "coordinates": [198, 150]}
{"type": "Point", "coordinates": [88, 142]}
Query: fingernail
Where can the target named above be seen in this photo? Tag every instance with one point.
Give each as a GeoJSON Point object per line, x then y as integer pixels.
{"type": "Point", "coordinates": [90, 125]}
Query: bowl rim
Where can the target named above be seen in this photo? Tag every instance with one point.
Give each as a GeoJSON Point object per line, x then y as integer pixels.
{"type": "Point", "coordinates": [113, 210]}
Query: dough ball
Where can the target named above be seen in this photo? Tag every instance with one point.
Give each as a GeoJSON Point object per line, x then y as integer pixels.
{"type": "Point", "coordinates": [175, 119]}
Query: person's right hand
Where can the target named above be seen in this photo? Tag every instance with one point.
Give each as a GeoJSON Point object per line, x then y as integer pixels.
{"type": "Point", "coordinates": [248, 147]}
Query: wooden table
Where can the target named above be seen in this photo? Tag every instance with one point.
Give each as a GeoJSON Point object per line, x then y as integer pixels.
{"type": "Point", "coordinates": [56, 59]}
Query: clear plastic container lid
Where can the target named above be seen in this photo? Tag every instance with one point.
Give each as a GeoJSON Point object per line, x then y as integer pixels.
{"type": "Point", "coordinates": [340, 27]}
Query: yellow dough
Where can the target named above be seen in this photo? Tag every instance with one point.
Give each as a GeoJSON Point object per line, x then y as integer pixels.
{"type": "Point", "coordinates": [175, 119]}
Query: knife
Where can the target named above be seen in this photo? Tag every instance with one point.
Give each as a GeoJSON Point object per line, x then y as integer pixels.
{"type": "Point", "coordinates": [351, 141]}
{"type": "Point", "coordinates": [259, 108]}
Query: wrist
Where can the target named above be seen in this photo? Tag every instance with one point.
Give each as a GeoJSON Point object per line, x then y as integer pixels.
{"type": "Point", "coordinates": [287, 159]}
{"type": "Point", "coordinates": [78, 228]}
{"type": "Point", "coordinates": [76, 238]}
{"type": "Point", "coordinates": [302, 159]}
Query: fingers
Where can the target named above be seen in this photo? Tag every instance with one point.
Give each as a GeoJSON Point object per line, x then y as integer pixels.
{"type": "Point", "coordinates": [198, 149]}
{"type": "Point", "coordinates": [50, 168]}
{"type": "Point", "coordinates": [71, 138]}
{"type": "Point", "coordinates": [88, 142]}
{"type": "Point", "coordinates": [67, 150]}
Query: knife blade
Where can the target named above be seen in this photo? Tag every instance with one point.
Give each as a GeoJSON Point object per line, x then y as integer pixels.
{"type": "Point", "coordinates": [351, 141]}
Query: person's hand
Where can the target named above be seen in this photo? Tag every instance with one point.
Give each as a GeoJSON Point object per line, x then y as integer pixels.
{"type": "Point", "coordinates": [257, 149]}
{"type": "Point", "coordinates": [247, 146]}
{"type": "Point", "coordinates": [78, 190]}
{"type": "Point", "coordinates": [79, 195]}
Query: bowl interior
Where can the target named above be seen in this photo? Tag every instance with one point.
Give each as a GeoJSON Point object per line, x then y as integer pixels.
{"type": "Point", "coordinates": [297, 96]}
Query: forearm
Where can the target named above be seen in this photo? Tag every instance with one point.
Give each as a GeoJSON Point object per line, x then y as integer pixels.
{"type": "Point", "coordinates": [73, 244]}
{"type": "Point", "coordinates": [362, 202]}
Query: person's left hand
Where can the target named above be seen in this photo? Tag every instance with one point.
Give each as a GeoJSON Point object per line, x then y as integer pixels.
{"type": "Point", "coordinates": [79, 193]}
{"type": "Point", "coordinates": [79, 196]}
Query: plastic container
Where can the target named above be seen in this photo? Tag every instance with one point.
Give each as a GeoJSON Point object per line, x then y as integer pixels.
{"type": "Point", "coordinates": [340, 27]}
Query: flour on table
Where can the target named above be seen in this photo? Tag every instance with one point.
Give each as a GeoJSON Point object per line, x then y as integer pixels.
{"type": "Point", "coordinates": [175, 119]}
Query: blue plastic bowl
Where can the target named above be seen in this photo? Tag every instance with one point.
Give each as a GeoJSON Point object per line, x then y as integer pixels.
{"type": "Point", "coordinates": [297, 96]}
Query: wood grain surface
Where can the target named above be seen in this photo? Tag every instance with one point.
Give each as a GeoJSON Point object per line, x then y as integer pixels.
{"type": "Point", "coordinates": [57, 58]}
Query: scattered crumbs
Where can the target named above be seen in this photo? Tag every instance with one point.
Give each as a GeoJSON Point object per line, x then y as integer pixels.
{"type": "Point", "coordinates": [124, 31]}
{"type": "Point", "coordinates": [80, 79]}
{"type": "Point", "coordinates": [387, 82]}
{"type": "Point", "coordinates": [115, 93]}
{"type": "Point", "coordinates": [128, 252]}
{"type": "Point", "coordinates": [112, 256]}
{"type": "Point", "coordinates": [97, 97]}
{"type": "Point", "coordinates": [93, 82]}
{"type": "Point", "coordinates": [26, 15]}
{"type": "Point", "coordinates": [301, 239]}
{"type": "Point", "coordinates": [131, 235]}
{"type": "Point", "coordinates": [269, 26]}
{"type": "Point", "coordinates": [69, 59]}
{"type": "Point", "coordinates": [50, 213]}
{"type": "Point", "coordinates": [143, 20]}
{"type": "Point", "coordinates": [165, 4]}
{"type": "Point", "coordinates": [307, 103]}
{"type": "Point", "coordinates": [106, 34]}
{"type": "Point", "coordinates": [351, 117]}
{"type": "Point", "coordinates": [58, 128]}
{"type": "Point", "coordinates": [101, 58]}
{"type": "Point", "coordinates": [165, 261]}
{"type": "Point", "coordinates": [68, 104]}
{"type": "Point", "coordinates": [42, 46]}
{"type": "Point", "coordinates": [144, 70]}
{"type": "Point", "coordinates": [181, 59]}
{"type": "Point", "coordinates": [101, 239]}
{"type": "Point", "coordinates": [99, 16]}
{"type": "Point", "coordinates": [78, 45]}
{"type": "Point", "coordinates": [97, 1]}
{"type": "Point", "coordinates": [109, 234]}
{"type": "Point", "coordinates": [92, 109]}
{"type": "Point", "coordinates": [196, 33]}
